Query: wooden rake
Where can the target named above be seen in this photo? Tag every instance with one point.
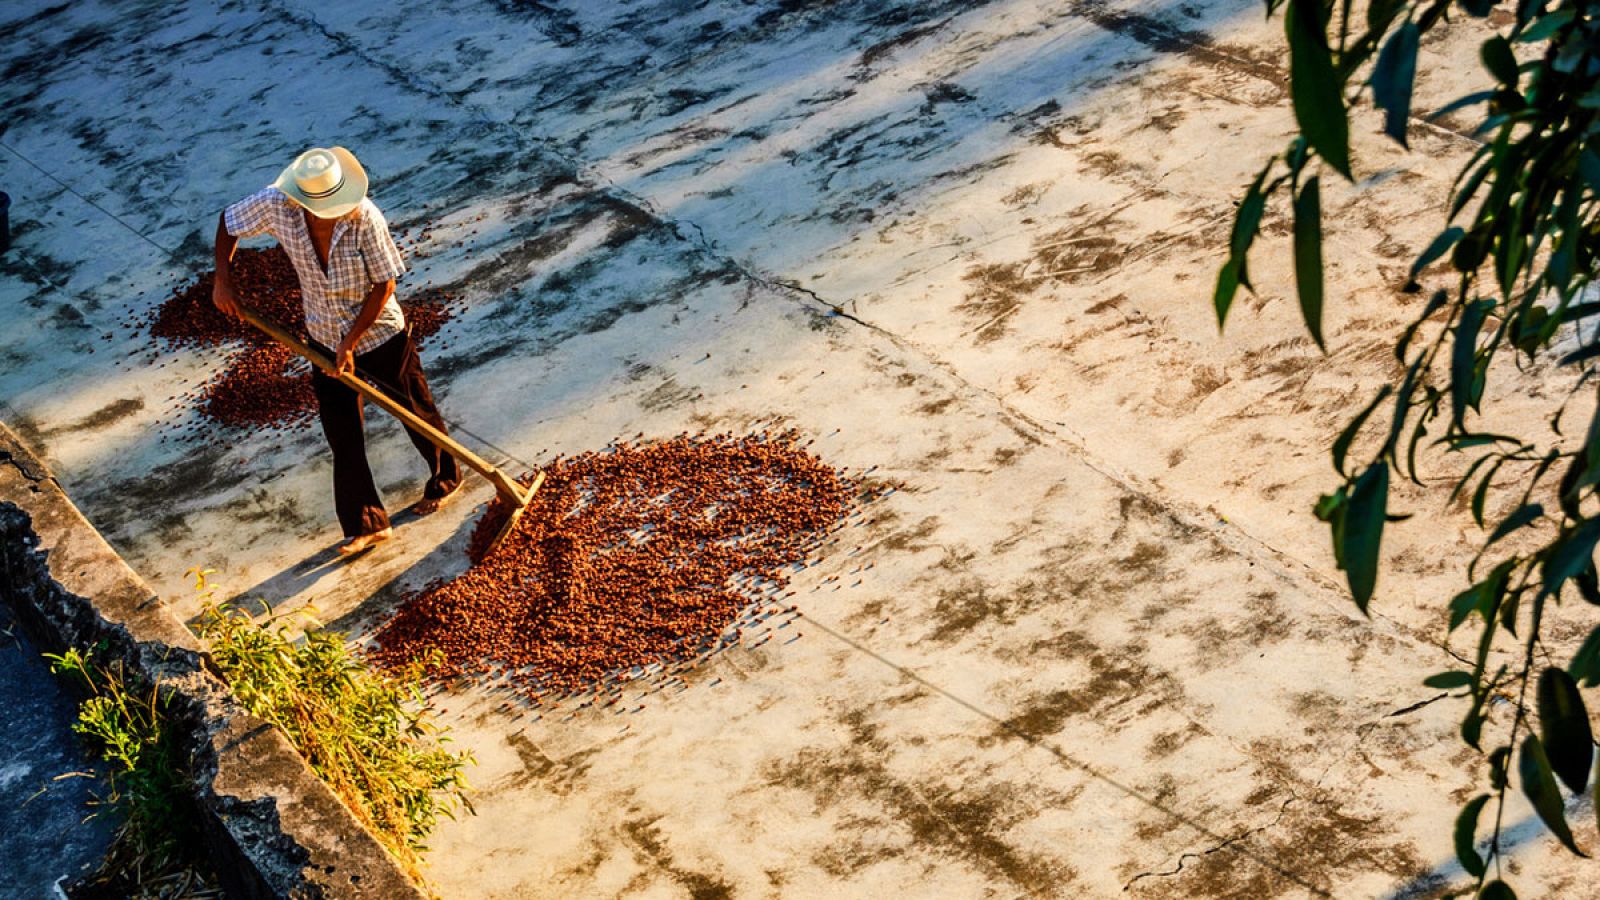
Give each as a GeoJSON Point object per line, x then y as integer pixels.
{"type": "Point", "coordinates": [507, 487]}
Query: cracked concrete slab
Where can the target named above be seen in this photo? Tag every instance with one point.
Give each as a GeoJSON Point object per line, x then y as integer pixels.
{"type": "Point", "coordinates": [1094, 647]}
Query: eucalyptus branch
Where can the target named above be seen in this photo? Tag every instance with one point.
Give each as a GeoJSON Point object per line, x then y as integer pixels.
{"type": "Point", "coordinates": [1525, 255]}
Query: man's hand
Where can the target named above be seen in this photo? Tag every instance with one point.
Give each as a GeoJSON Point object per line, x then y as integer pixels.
{"type": "Point", "coordinates": [224, 295]}
{"type": "Point", "coordinates": [344, 358]}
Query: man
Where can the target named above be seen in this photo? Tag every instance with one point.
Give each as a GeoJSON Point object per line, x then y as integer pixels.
{"type": "Point", "coordinates": [340, 245]}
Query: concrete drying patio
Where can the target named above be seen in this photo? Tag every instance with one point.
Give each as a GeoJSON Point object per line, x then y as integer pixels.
{"type": "Point", "coordinates": [1096, 647]}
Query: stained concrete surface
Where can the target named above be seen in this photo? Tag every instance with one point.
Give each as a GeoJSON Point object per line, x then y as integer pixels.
{"type": "Point", "coordinates": [1095, 646]}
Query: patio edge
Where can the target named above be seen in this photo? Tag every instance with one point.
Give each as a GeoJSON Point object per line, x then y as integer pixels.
{"type": "Point", "coordinates": [272, 828]}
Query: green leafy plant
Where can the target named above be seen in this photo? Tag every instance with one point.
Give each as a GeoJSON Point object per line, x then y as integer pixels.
{"type": "Point", "coordinates": [154, 849]}
{"type": "Point", "coordinates": [1521, 239]}
{"type": "Point", "coordinates": [366, 733]}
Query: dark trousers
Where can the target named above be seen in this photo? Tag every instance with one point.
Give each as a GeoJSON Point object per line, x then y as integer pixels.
{"type": "Point", "coordinates": [391, 367]}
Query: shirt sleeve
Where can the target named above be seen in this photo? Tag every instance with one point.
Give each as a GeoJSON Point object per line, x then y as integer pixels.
{"type": "Point", "coordinates": [253, 215]}
{"type": "Point", "coordinates": [378, 248]}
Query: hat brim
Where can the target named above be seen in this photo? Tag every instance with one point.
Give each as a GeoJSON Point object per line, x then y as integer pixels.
{"type": "Point", "coordinates": [338, 203]}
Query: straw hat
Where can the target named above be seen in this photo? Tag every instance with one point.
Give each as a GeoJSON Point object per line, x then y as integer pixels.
{"type": "Point", "coordinates": [328, 182]}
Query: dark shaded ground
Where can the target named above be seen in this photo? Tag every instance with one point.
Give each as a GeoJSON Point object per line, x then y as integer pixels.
{"type": "Point", "coordinates": [41, 838]}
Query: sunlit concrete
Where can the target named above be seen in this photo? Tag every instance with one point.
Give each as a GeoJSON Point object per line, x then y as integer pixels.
{"type": "Point", "coordinates": [1100, 648]}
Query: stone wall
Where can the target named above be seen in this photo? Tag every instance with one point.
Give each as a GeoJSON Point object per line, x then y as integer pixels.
{"type": "Point", "coordinates": [273, 828]}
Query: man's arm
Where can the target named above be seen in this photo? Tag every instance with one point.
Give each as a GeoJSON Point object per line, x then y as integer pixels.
{"type": "Point", "coordinates": [223, 293]}
{"type": "Point", "coordinates": [344, 359]}
{"type": "Point", "coordinates": [249, 217]}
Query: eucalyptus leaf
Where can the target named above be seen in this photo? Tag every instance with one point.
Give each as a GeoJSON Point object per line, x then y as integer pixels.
{"type": "Point", "coordinates": [1315, 86]}
{"type": "Point", "coordinates": [1521, 517]}
{"type": "Point", "coordinates": [1438, 248]}
{"type": "Point", "coordinates": [1480, 495]}
{"type": "Point", "coordinates": [1528, 10]}
{"type": "Point", "coordinates": [1227, 289]}
{"type": "Point", "coordinates": [1497, 890]}
{"type": "Point", "coordinates": [1246, 224]}
{"type": "Point", "coordinates": [1585, 665]}
{"type": "Point", "coordinates": [1463, 604]}
{"type": "Point", "coordinates": [1247, 221]}
{"type": "Point", "coordinates": [1546, 27]}
{"type": "Point", "coordinates": [1463, 357]}
{"type": "Point", "coordinates": [1539, 786]}
{"type": "Point", "coordinates": [1330, 505]}
{"type": "Point", "coordinates": [1473, 249]}
{"type": "Point", "coordinates": [1589, 168]}
{"type": "Point", "coordinates": [1564, 729]}
{"type": "Point", "coordinates": [1499, 60]}
{"type": "Point", "coordinates": [1341, 444]}
{"type": "Point", "coordinates": [1469, 188]}
{"type": "Point", "coordinates": [1571, 555]}
{"type": "Point", "coordinates": [1448, 681]}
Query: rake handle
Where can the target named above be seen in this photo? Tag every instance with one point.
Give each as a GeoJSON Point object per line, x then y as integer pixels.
{"type": "Point", "coordinates": [504, 484]}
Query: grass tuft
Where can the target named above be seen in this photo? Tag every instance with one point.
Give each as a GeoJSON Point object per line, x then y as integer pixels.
{"type": "Point", "coordinates": [366, 733]}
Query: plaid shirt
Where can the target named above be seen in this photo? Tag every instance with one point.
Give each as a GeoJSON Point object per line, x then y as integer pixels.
{"type": "Point", "coordinates": [332, 298]}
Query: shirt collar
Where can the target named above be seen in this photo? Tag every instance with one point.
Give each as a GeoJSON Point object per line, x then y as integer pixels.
{"type": "Point", "coordinates": [339, 227]}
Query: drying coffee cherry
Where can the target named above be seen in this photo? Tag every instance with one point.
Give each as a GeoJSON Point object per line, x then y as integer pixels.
{"type": "Point", "coordinates": [263, 384]}
{"type": "Point", "coordinates": [639, 556]}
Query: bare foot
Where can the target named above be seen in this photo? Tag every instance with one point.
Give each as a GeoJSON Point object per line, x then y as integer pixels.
{"type": "Point", "coordinates": [429, 505]}
{"type": "Point", "coordinates": [364, 542]}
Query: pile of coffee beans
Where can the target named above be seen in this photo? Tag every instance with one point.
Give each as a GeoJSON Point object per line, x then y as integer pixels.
{"type": "Point", "coordinates": [264, 384]}
{"type": "Point", "coordinates": [635, 557]}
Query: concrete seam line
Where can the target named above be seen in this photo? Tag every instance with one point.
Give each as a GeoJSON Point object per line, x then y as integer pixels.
{"type": "Point", "coordinates": [74, 192]}
{"type": "Point", "coordinates": [1064, 756]}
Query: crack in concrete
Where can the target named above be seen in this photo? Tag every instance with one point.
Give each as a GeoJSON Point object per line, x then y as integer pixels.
{"type": "Point", "coordinates": [776, 285]}
{"type": "Point", "coordinates": [28, 469]}
{"type": "Point", "coordinates": [81, 196]}
{"type": "Point", "coordinates": [1406, 710]}
{"type": "Point", "coordinates": [16, 454]}
{"type": "Point", "coordinates": [1362, 732]}
{"type": "Point", "coordinates": [1183, 859]}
